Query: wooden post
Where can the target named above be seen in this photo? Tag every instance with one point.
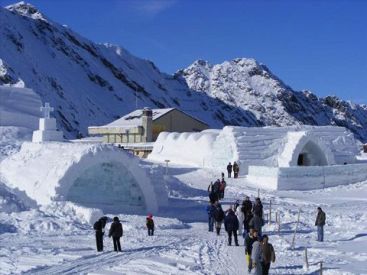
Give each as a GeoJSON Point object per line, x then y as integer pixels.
{"type": "Point", "coordinates": [321, 267]}
{"type": "Point", "coordinates": [276, 217]}
{"type": "Point", "coordinates": [279, 224]}
{"type": "Point", "coordinates": [306, 266]}
{"type": "Point", "coordinates": [295, 231]}
{"type": "Point", "coordinates": [270, 213]}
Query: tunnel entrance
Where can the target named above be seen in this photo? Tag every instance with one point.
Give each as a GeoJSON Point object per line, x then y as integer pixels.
{"type": "Point", "coordinates": [108, 186]}
{"type": "Point", "coordinates": [312, 155]}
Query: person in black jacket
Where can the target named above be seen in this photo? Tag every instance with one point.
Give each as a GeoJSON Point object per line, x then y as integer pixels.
{"type": "Point", "coordinates": [258, 208]}
{"type": "Point", "coordinates": [229, 169]}
{"type": "Point", "coordinates": [218, 217]}
{"type": "Point", "coordinates": [320, 222]}
{"type": "Point", "coordinates": [99, 229]}
{"type": "Point", "coordinates": [116, 233]}
{"type": "Point", "coordinates": [231, 226]}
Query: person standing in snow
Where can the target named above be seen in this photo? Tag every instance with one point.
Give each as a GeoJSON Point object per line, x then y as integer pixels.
{"type": "Point", "coordinates": [218, 217]}
{"type": "Point", "coordinates": [246, 205]}
{"type": "Point", "coordinates": [222, 187]}
{"type": "Point", "coordinates": [320, 222]}
{"type": "Point", "coordinates": [150, 225]}
{"type": "Point", "coordinates": [231, 227]}
{"type": "Point", "coordinates": [240, 217]}
{"type": "Point", "coordinates": [99, 229]}
{"type": "Point", "coordinates": [210, 209]}
{"type": "Point", "coordinates": [250, 238]}
{"type": "Point", "coordinates": [246, 222]}
{"type": "Point", "coordinates": [256, 256]}
{"type": "Point", "coordinates": [268, 255]}
{"type": "Point", "coordinates": [116, 233]}
{"type": "Point", "coordinates": [258, 208]}
{"type": "Point", "coordinates": [236, 170]}
{"type": "Point", "coordinates": [257, 223]}
{"type": "Point", "coordinates": [229, 170]}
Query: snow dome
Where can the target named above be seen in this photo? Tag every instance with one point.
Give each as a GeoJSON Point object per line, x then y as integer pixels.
{"type": "Point", "coordinates": [98, 176]}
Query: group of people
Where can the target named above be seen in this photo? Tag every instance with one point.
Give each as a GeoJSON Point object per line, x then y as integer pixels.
{"type": "Point", "coordinates": [116, 231]}
{"type": "Point", "coordinates": [235, 168]}
{"type": "Point", "coordinates": [216, 189]}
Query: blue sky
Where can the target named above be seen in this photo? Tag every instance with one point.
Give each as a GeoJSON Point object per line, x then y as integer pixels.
{"type": "Point", "coordinates": [315, 45]}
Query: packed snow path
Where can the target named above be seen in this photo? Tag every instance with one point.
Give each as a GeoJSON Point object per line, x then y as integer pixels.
{"type": "Point", "coordinates": [56, 246]}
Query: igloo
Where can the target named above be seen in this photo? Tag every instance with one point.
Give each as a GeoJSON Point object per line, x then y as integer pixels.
{"type": "Point", "coordinates": [294, 157]}
{"type": "Point", "coordinates": [97, 176]}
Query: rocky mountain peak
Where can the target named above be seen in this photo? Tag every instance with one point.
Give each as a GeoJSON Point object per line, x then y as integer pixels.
{"type": "Point", "coordinates": [27, 10]}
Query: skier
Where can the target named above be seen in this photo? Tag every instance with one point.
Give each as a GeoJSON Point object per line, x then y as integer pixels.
{"type": "Point", "coordinates": [99, 229]}
{"type": "Point", "coordinates": [116, 233]}
{"type": "Point", "coordinates": [150, 225]}
{"type": "Point", "coordinates": [229, 170]}
{"type": "Point", "coordinates": [258, 208]}
{"type": "Point", "coordinates": [250, 238]}
{"type": "Point", "coordinates": [256, 256]}
{"type": "Point", "coordinates": [241, 217]}
{"type": "Point", "coordinates": [231, 226]}
{"type": "Point", "coordinates": [268, 255]}
{"type": "Point", "coordinates": [218, 217]}
{"type": "Point", "coordinates": [320, 222]}
{"type": "Point", "coordinates": [257, 223]}
{"type": "Point", "coordinates": [210, 209]}
{"type": "Point", "coordinates": [236, 170]}
{"type": "Point", "coordinates": [222, 187]}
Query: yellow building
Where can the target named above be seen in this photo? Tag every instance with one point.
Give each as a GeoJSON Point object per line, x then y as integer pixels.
{"type": "Point", "coordinates": [144, 126]}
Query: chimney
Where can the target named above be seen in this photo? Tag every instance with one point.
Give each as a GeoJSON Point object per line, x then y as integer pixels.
{"type": "Point", "coordinates": [147, 121]}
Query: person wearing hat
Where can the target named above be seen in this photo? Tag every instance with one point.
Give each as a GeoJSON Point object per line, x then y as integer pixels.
{"type": "Point", "coordinates": [99, 229]}
{"type": "Point", "coordinates": [150, 225]}
{"type": "Point", "coordinates": [116, 233]}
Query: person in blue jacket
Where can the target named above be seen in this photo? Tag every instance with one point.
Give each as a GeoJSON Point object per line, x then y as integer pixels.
{"type": "Point", "coordinates": [210, 210]}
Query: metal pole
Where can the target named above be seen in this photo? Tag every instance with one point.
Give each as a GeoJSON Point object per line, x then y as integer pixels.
{"type": "Point", "coordinates": [306, 260]}
{"type": "Point", "coordinates": [295, 231]}
{"type": "Point", "coordinates": [270, 213]}
{"type": "Point", "coordinates": [258, 192]}
{"type": "Point", "coordinates": [321, 267]}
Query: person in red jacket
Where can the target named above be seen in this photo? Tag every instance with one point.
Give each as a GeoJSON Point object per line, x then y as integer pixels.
{"type": "Point", "coordinates": [150, 225]}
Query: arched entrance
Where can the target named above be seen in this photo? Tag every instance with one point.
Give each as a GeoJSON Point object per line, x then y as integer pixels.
{"type": "Point", "coordinates": [109, 186]}
{"type": "Point", "coordinates": [311, 155]}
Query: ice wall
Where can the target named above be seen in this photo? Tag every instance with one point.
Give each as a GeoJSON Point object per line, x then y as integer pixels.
{"type": "Point", "coordinates": [49, 172]}
{"type": "Point", "coordinates": [193, 149]}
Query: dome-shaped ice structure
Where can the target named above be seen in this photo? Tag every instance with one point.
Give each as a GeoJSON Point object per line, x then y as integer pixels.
{"type": "Point", "coordinates": [99, 176]}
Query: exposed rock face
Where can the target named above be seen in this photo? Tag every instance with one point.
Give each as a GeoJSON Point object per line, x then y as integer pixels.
{"type": "Point", "coordinates": [246, 84]}
{"type": "Point", "coordinates": [93, 84]}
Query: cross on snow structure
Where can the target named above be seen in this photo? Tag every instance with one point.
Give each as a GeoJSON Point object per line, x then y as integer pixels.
{"type": "Point", "coordinates": [47, 127]}
{"type": "Point", "coordinates": [46, 110]}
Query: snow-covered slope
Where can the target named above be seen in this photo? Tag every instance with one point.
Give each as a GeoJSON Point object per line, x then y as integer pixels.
{"type": "Point", "coordinates": [252, 86]}
{"type": "Point", "coordinates": [92, 84]}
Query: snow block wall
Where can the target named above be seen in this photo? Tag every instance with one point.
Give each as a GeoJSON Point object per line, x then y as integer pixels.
{"type": "Point", "coordinates": [97, 176]}
{"type": "Point", "coordinates": [306, 178]}
{"type": "Point", "coordinates": [258, 146]}
{"type": "Point", "coordinates": [193, 149]}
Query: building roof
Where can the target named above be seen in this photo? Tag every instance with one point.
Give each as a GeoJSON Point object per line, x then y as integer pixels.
{"type": "Point", "coordinates": [133, 119]}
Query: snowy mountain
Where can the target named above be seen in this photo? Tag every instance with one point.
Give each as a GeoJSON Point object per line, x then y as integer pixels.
{"type": "Point", "coordinates": [251, 86]}
{"type": "Point", "coordinates": [93, 84]}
